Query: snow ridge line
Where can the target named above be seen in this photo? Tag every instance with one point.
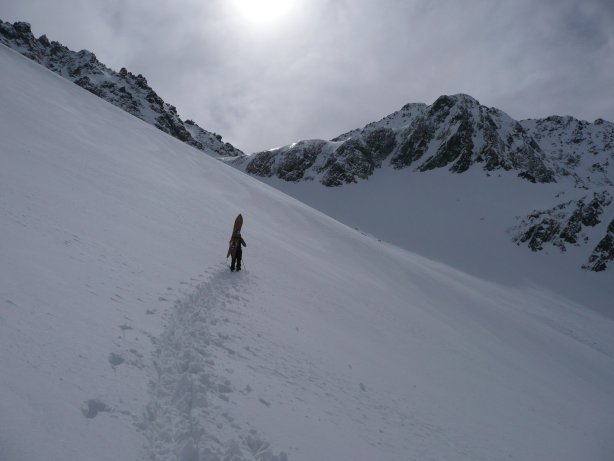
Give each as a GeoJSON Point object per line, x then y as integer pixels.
{"type": "Point", "coordinates": [189, 414]}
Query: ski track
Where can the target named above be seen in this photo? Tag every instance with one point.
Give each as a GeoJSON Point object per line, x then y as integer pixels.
{"type": "Point", "coordinates": [189, 417]}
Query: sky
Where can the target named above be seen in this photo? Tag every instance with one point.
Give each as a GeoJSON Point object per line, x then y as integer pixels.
{"type": "Point", "coordinates": [265, 73]}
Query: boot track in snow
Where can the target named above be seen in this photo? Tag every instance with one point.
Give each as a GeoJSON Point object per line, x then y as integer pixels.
{"type": "Point", "coordinates": [190, 414]}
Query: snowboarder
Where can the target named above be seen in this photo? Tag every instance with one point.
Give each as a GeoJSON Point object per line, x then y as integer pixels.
{"type": "Point", "coordinates": [236, 242]}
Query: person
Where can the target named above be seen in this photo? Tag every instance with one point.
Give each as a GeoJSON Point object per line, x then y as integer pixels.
{"type": "Point", "coordinates": [236, 242]}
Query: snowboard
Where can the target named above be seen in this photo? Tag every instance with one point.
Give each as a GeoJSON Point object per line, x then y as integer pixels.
{"type": "Point", "coordinates": [236, 229]}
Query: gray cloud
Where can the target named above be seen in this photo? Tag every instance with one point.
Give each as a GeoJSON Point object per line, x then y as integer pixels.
{"type": "Point", "coordinates": [333, 65]}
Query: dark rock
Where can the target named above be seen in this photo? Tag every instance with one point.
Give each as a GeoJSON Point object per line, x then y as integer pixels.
{"type": "Point", "coordinates": [337, 175]}
{"type": "Point", "coordinates": [262, 164]}
{"type": "Point", "coordinates": [603, 253]}
{"type": "Point", "coordinates": [538, 234]}
{"type": "Point", "coordinates": [297, 161]}
{"type": "Point", "coordinates": [415, 145]}
{"type": "Point", "coordinates": [22, 28]}
{"type": "Point", "coordinates": [288, 163]}
{"type": "Point", "coordinates": [563, 224]}
{"type": "Point", "coordinates": [43, 40]}
{"type": "Point", "coordinates": [141, 82]}
{"type": "Point", "coordinates": [381, 142]}
{"type": "Point", "coordinates": [171, 125]}
{"type": "Point", "coordinates": [456, 150]}
{"type": "Point", "coordinates": [350, 161]}
{"type": "Point", "coordinates": [440, 109]}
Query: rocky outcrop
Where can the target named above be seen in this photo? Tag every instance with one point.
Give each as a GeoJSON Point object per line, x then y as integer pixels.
{"type": "Point", "coordinates": [562, 225]}
{"type": "Point", "coordinates": [358, 157]}
{"type": "Point", "coordinates": [122, 89]}
{"type": "Point", "coordinates": [292, 166]}
{"type": "Point", "coordinates": [603, 253]}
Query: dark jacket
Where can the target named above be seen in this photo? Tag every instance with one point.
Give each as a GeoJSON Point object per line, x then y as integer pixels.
{"type": "Point", "coordinates": [237, 242]}
{"type": "Point", "coordinates": [242, 242]}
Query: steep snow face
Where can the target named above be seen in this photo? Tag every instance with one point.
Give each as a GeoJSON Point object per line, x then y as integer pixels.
{"type": "Point", "coordinates": [122, 89]}
{"type": "Point", "coordinates": [125, 336]}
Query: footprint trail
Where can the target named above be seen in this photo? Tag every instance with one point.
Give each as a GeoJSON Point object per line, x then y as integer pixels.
{"type": "Point", "coordinates": [189, 417]}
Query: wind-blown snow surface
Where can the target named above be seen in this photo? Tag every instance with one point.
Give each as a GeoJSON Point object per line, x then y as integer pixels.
{"type": "Point", "coordinates": [124, 336]}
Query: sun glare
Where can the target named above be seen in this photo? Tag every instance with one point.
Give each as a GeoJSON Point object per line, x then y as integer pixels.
{"type": "Point", "coordinates": [263, 12]}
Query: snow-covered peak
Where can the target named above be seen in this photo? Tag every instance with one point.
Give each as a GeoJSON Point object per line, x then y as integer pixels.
{"type": "Point", "coordinates": [455, 132]}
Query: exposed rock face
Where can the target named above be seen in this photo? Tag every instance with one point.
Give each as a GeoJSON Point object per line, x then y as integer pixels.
{"type": "Point", "coordinates": [122, 89]}
{"type": "Point", "coordinates": [351, 160]}
{"type": "Point", "coordinates": [562, 225]}
{"type": "Point", "coordinates": [455, 132]}
{"type": "Point", "coordinates": [357, 158]}
{"type": "Point", "coordinates": [603, 253]}
{"type": "Point", "coordinates": [458, 132]}
{"type": "Point", "coordinates": [290, 167]}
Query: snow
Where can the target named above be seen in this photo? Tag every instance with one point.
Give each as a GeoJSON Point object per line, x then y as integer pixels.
{"type": "Point", "coordinates": [466, 221]}
{"type": "Point", "coordinates": [125, 336]}
{"type": "Point", "coordinates": [586, 148]}
{"type": "Point", "coordinates": [397, 121]}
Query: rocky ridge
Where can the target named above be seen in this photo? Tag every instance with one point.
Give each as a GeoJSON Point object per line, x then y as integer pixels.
{"type": "Point", "coordinates": [454, 132]}
{"type": "Point", "coordinates": [122, 89]}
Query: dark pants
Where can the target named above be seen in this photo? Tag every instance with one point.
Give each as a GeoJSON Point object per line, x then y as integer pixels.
{"type": "Point", "coordinates": [236, 260]}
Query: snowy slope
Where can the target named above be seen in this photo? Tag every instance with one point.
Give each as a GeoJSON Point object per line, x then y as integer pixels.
{"type": "Point", "coordinates": [124, 336]}
{"type": "Point", "coordinates": [471, 222]}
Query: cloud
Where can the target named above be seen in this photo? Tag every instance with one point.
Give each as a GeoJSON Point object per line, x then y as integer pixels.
{"type": "Point", "coordinates": [333, 65]}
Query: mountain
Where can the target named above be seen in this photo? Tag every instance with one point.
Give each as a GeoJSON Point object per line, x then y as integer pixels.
{"type": "Point", "coordinates": [124, 336]}
{"type": "Point", "coordinates": [457, 134]}
{"type": "Point", "coordinates": [122, 89]}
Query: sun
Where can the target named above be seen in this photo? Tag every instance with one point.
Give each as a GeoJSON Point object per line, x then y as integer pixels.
{"type": "Point", "coordinates": [263, 12]}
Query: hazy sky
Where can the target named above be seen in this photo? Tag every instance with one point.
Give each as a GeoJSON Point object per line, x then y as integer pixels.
{"type": "Point", "coordinates": [265, 73]}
